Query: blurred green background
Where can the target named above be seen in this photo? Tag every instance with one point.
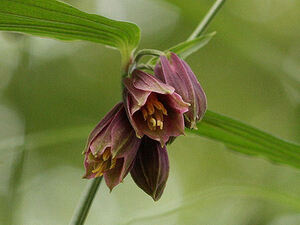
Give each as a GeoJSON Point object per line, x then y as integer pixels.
{"type": "Point", "coordinates": [52, 93]}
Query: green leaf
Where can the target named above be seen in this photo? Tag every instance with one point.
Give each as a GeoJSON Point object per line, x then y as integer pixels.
{"type": "Point", "coordinates": [248, 140]}
{"type": "Point", "coordinates": [186, 48]}
{"type": "Point", "coordinates": [55, 19]}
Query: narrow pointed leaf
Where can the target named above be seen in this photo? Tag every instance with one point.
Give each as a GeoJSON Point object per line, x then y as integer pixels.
{"type": "Point", "coordinates": [55, 19]}
{"type": "Point", "coordinates": [248, 140]}
{"type": "Point", "coordinates": [186, 48]}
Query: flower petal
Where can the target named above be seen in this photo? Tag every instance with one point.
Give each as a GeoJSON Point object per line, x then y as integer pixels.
{"type": "Point", "coordinates": [103, 123]}
{"type": "Point", "coordinates": [201, 100]}
{"type": "Point", "coordinates": [151, 168]}
{"type": "Point", "coordinates": [112, 150]}
{"type": "Point", "coordinates": [140, 96]}
{"type": "Point", "coordinates": [179, 75]}
{"type": "Point", "coordinates": [124, 162]}
{"type": "Point", "coordinates": [148, 82]}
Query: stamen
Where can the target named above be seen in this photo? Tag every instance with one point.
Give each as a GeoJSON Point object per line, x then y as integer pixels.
{"type": "Point", "coordinates": [106, 154]}
{"type": "Point", "coordinates": [104, 164]}
{"type": "Point", "coordinates": [160, 106]}
{"type": "Point", "coordinates": [113, 163]}
{"type": "Point", "coordinates": [160, 124]}
{"type": "Point", "coordinates": [145, 114]}
{"type": "Point", "coordinates": [99, 167]}
{"type": "Point", "coordinates": [150, 124]}
{"type": "Point", "coordinates": [150, 108]}
{"type": "Point", "coordinates": [153, 121]}
{"type": "Point", "coordinates": [99, 174]}
{"type": "Point", "coordinates": [158, 115]}
{"type": "Point", "coordinates": [164, 111]}
{"type": "Point", "coordinates": [154, 107]}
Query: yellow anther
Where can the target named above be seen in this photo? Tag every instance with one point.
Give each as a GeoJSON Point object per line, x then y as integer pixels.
{"type": "Point", "coordinates": [150, 123]}
{"type": "Point", "coordinates": [160, 124]}
{"type": "Point", "coordinates": [154, 107]}
{"type": "Point", "coordinates": [160, 106]}
{"type": "Point", "coordinates": [99, 168]}
{"type": "Point", "coordinates": [153, 122]}
{"type": "Point", "coordinates": [158, 115]}
{"type": "Point", "coordinates": [113, 163]}
{"type": "Point", "coordinates": [145, 113]}
{"type": "Point", "coordinates": [106, 155]}
{"type": "Point", "coordinates": [150, 108]}
{"type": "Point", "coordinates": [99, 174]}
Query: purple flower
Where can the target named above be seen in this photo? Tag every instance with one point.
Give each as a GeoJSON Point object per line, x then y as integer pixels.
{"type": "Point", "coordinates": [153, 107]}
{"type": "Point", "coordinates": [151, 168]}
{"type": "Point", "coordinates": [177, 73]}
{"type": "Point", "coordinates": [111, 148]}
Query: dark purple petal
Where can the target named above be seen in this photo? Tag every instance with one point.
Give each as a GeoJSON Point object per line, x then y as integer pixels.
{"type": "Point", "coordinates": [130, 106]}
{"type": "Point", "coordinates": [176, 102]}
{"type": "Point", "coordinates": [151, 168]}
{"type": "Point", "coordinates": [146, 98]}
{"type": "Point", "coordinates": [112, 150]}
{"type": "Point", "coordinates": [112, 177]}
{"type": "Point", "coordinates": [201, 100]}
{"type": "Point", "coordinates": [88, 164]}
{"type": "Point", "coordinates": [104, 122]}
{"type": "Point", "coordinates": [178, 74]}
{"type": "Point", "coordinates": [147, 82]}
{"type": "Point", "coordinates": [173, 123]}
{"type": "Point", "coordinates": [124, 162]}
{"type": "Point", "coordinates": [175, 75]}
{"type": "Point", "coordinates": [140, 96]}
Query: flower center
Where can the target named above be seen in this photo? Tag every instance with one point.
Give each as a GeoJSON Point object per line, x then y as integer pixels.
{"type": "Point", "coordinates": [153, 112]}
{"type": "Point", "coordinates": [104, 163]}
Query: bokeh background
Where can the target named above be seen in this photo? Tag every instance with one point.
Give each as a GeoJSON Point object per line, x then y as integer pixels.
{"type": "Point", "coordinates": [52, 93]}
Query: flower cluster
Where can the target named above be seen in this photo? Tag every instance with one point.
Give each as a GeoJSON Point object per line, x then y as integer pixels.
{"type": "Point", "coordinates": [132, 137]}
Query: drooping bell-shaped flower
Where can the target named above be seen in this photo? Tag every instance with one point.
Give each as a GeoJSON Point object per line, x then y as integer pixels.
{"type": "Point", "coordinates": [151, 168]}
{"type": "Point", "coordinates": [111, 148]}
{"type": "Point", "coordinates": [153, 107]}
{"type": "Point", "coordinates": [177, 73]}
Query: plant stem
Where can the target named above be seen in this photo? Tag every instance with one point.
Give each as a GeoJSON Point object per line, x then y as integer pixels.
{"type": "Point", "coordinates": [207, 19]}
{"type": "Point", "coordinates": [144, 52]}
{"type": "Point", "coordinates": [140, 54]}
{"type": "Point", "coordinates": [85, 202]}
{"type": "Point", "coordinates": [13, 197]}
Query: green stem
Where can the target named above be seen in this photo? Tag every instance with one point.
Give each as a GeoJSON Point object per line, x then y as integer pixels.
{"type": "Point", "coordinates": [142, 53]}
{"type": "Point", "coordinates": [20, 154]}
{"type": "Point", "coordinates": [85, 202]}
{"type": "Point", "coordinates": [207, 19]}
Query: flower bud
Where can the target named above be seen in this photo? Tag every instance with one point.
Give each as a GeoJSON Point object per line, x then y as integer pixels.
{"type": "Point", "coordinates": [177, 73]}
{"type": "Point", "coordinates": [111, 148]}
{"type": "Point", "coordinates": [151, 168]}
{"type": "Point", "coordinates": [153, 108]}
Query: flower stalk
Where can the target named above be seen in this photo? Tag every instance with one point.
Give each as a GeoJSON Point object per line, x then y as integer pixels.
{"type": "Point", "coordinates": [86, 201]}
{"type": "Point", "coordinates": [207, 19]}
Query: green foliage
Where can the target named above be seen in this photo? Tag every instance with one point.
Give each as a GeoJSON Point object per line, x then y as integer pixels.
{"type": "Point", "coordinates": [186, 48]}
{"type": "Point", "coordinates": [246, 139]}
{"type": "Point", "coordinates": [55, 19]}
